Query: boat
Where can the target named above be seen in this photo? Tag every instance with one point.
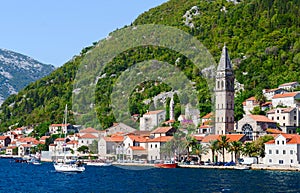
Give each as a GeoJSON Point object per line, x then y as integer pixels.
{"type": "Point", "coordinates": [166, 164]}
{"type": "Point", "coordinates": [242, 167]}
{"type": "Point", "coordinates": [98, 163]}
{"type": "Point", "coordinates": [65, 165]}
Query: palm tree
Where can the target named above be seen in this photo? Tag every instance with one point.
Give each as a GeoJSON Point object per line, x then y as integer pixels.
{"type": "Point", "coordinates": [199, 150]}
{"type": "Point", "coordinates": [223, 144]}
{"type": "Point", "coordinates": [236, 148]}
{"type": "Point", "coordinates": [213, 146]}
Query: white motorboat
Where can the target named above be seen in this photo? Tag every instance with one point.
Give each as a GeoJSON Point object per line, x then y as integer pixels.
{"type": "Point", "coordinates": [242, 167]}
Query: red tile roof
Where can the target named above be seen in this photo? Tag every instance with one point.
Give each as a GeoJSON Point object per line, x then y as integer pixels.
{"type": "Point", "coordinates": [282, 110]}
{"type": "Point", "coordinates": [207, 116]}
{"type": "Point", "coordinates": [161, 139]}
{"type": "Point", "coordinates": [287, 84]}
{"type": "Point", "coordinates": [232, 137]}
{"type": "Point", "coordinates": [153, 112]}
{"type": "Point", "coordinates": [114, 139]}
{"type": "Point", "coordinates": [198, 138]}
{"type": "Point", "coordinates": [27, 139]}
{"type": "Point", "coordinates": [137, 138]}
{"type": "Point", "coordinates": [72, 142]}
{"type": "Point", "coordinates": [290, 138]}
{"type": "Point", "coordinates": [88, 136]}
{"type": "Point", "coordinates": [137, 148]}
{"type": "Point", "coordinates": [3, 137]}
{"type": "Point", "coordinates": [89, 130]}
{"type": "Point", "coordinates": [161, 130]}
{"type": "Point", "coordinates": [273, 131]}
{"type": "Point", "coordinates": [59, 125]}
{"type": "Point", "coordinates": [44, 137]}
{"type": "Point", "coordinates": [60, 139]}
{"type": "Point", "coordinates": [261, 118]}
{"type": "Point", "coordinates": [285, 95]}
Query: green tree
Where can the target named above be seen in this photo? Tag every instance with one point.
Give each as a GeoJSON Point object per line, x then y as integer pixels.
{"type": "Point", "coordinates": [200, 150]}
{"type": "Point", "coordinates": [236, 148]}
{"type": "Point", "coordinates": [223, 145]}
{"type": "Point", "coordinates": [213, 146]}
{"type": "Point", "coordinates": [94, 147]}
{"type": "Point", "coordinates": [83, 149]}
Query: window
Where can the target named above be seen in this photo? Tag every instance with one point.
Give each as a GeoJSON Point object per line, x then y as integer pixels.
{"type": "Point", "coordinates": [277, 111]}
{"type": "Point", "coordinates": [291, 161]}
{"type": "Point", "coordinates": [270, 151]}
{"type": "Point", "coordinates": [283, 124]}
{"type": "Point", "coordinates": [277, 142]}
{"type": "Point", "coordinates": [283, 152]}
{"type": "Point", "coordinates": [282, 142]}
{"type": "Point", "coordinates": [280, 161]}
{"type": "Point", "coordinates": [277, 151]}
{"type": "Point", "coordinates": [270, 160]}
{"type": "Point", "coordinates": [291, 152]}
{"type": "Point", "coordinates": [277, 118]}
{"type": "Point", "coordinates": [151, 147]}
{"type": "Point", "coordinates": [248, 131]}
{"type": "Point", "coordinates": [283, 117]}
{"type": "Point", "coordinates": [272, 118]}
{"type": "Point", "coordinates": [295, 118]}
{"type": "Point", "coordinates": [155, 145]}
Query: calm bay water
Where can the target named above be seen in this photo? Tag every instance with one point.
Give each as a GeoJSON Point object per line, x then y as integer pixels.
{"type": "Point", "coordinates": [18, 177]}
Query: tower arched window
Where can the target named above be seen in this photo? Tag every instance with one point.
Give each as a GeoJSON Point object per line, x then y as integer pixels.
{"type": "Point", "coordinates": [218, 84]}
{"type": "Point", "coordinates": [222, 84]}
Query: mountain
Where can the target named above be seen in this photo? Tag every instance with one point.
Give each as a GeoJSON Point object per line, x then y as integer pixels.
{"type": "Point", "coordinates": [17, 71]}
{"type": "Point", "coordinates": [262, 37]}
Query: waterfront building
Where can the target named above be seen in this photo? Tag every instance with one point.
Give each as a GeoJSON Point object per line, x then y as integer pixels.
{"type": "Point", "coordinates": [224, 91]}
{"type": "Point", "coordinates": [284, 150]}
{"type": "Point", "coordinates": [108, 146]}
{"type": "Point", "coordinates": [154, 148]}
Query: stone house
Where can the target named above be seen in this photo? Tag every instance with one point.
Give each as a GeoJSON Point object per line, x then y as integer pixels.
{"type": "Point", "coordinates": [152, 119]}
{"type": "Point", "coordinates": [254, 126]}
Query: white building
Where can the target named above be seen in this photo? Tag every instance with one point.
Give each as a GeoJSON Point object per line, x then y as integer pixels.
{"type": "Point", "coordinates": [249, 104]}
{"type": "Point", "coordinates": [290, 99]}
{"type": "Point", "coordinates": [154, 148]}
{"type": "Point", "coordinates": [269, 93]}
{"type": "Point", "coordinates": [86, 139]}
{"type": "Point", "coordinates": [285, 116]}
{"type": "Point", "coordinates": [289, 86]}
{"type": "Point", "coordinates": [152, 119]}
{"type": "Point", "coordinates": [283, 150]}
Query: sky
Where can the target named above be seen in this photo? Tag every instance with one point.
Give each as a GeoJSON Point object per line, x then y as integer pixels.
{"type": "Point", "coordinates": [52, 32]}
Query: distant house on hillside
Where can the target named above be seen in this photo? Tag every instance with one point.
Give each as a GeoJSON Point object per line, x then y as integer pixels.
{"type": "Point", "coordinates": [118, 128]}
{"type": "Point", "coordinates": [152, 119]}
{"type": "Point", "coordinates": [290, 99]}
{"type": "Point", "coordinates": [289, 86]}
{"type": "Point", "coordinates": [287, 118]}
{"type": "Point", "coordinates": [269, 93]}
{"type": "Point", "coordinates": [62, 128]}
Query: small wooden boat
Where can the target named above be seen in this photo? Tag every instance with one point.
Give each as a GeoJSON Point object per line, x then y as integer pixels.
{"type": "Point", "coordinates": [166, 164]}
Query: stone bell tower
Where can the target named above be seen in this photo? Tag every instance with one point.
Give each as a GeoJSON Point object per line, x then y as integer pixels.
{"type": "Point", "coordinates": [224, 91]}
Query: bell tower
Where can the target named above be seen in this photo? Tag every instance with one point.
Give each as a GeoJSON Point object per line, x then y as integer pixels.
{"type": "Point", "coordinates": [224, 91]}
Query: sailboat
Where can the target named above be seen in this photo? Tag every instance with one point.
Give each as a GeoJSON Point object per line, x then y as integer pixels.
{"type": "Point", "coordinates": [67, 165]}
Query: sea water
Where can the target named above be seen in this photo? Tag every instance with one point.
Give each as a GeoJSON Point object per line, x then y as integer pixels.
{"type": "Point", "coordinates": [22, 177]}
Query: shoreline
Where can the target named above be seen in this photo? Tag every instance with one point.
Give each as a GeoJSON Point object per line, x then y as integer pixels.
{"type": "Point", "coordinates": [253, 167]}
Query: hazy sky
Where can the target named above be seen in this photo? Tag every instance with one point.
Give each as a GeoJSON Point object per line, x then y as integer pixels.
{"type": "Point", "coordinates": [54, 31]}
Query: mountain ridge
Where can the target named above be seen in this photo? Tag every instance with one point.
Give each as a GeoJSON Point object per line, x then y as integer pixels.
{"type": "Point", "coordinates": [17, 71]}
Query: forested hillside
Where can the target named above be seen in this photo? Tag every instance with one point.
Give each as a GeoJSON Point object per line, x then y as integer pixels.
{"type": "Point", "coordinates": [262, 37]}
